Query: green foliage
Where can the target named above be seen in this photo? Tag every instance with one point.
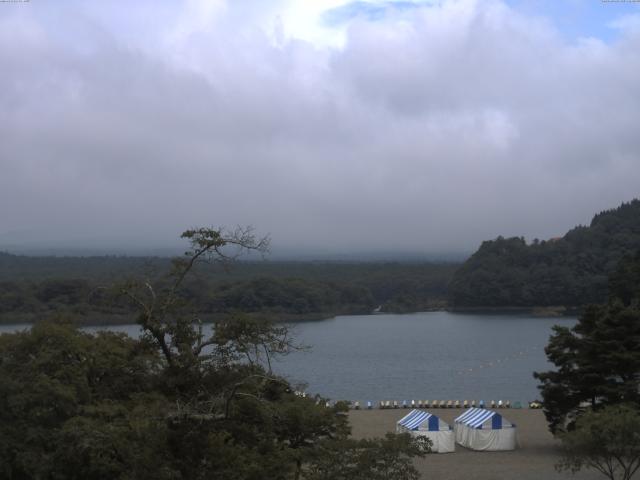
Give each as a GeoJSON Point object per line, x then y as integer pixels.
{"type": "Point", "coordinates": [289, 295]}
{"type": "Point", "coordinates": [375, 459]}
{"type": "Point", "coordinates": [32, 288]}
{"type": "Point", "coordinates": [77, 406]}
{"type": "Point", "coordinates": [624, 283]}
{"type": "Point", "coordinates": [176, 404]}
{"type": "Point", "coordinates": [569, 271]}
{"type": "Point", "coordinates": [598, 360]}
{"type": "Point", "coordinates": [68, 399]}
{"type": "Point", "coordinates": [607, 441]}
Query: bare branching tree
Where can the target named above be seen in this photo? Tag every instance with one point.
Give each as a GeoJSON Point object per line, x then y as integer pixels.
{"type": "Point", "coordinates": [179, 333]}
{"type": "Point", "coordinates": [168, 322]}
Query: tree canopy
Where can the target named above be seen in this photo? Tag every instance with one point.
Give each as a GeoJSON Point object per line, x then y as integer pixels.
{"type": "Point", "coordinates": [32, 288]}
{"type": "Point", "coordinates": [607, 441]}
{"type": "Point", "coordinates": [598, 360]}
{"type": "Point", "coordinates": [178, 403]}
{"type": "Point", "coordinates": [568, 271]}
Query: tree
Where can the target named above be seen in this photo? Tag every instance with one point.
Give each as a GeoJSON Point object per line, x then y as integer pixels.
{"type": "Point", "coordinates": [607, 441]}
{"type": "Point", "coordinates": [225, 384]}
{"type": "Point", "coordinates": [598, 363]}
{"type": "Point", "coordinates": [598, 360]}
{"type": "Point", "coordinates": [160, 308]}
{"type": "Point", "coordinates": [176, 404]}
{"type": "Point", "coordinates": [370, 459]}
{"type": "Point", "coordinates": [624, 283]}
{"type": "Point", "coordinates": [74, 405]}
{"type": "Point", "coordinates": [568, 271]}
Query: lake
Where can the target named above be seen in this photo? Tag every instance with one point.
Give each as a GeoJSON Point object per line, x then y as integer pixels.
{"type": "Point", "coordinates": [431, 355]}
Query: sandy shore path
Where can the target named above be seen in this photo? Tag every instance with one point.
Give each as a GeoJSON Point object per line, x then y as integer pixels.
{"type": "Point", "coordinates": [534, 460]}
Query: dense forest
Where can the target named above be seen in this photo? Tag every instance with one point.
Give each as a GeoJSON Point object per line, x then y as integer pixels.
{"type": "Point", "coordinates": [567, 271]}
{"type": "Point", "coordinates": [32, 288]}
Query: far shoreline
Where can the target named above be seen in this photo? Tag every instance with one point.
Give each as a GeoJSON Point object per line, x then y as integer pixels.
{"type": "Point", "coordinates": [537, 311]}
{"type": "Point", "coordinates": [106, 320]}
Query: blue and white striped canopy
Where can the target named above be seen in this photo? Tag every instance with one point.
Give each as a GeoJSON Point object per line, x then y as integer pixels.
{"type": "Point", "coordinates": [415, 418]}
{"type": "Point", "coordinates": [476, 417]}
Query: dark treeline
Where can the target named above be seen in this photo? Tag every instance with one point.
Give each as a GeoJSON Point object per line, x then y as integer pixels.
{"type": "Point", "coordinates": [100, 268]}
{"type": "Point", "coordinates": [507, 272]}
{"type": "Point", "coordinates": [33, 287]}
{"type": "Point", "coordinates": [569, 271]}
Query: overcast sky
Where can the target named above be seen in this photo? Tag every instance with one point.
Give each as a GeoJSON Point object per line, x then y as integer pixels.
{"type": "Point", "coordinates": [339, 126]}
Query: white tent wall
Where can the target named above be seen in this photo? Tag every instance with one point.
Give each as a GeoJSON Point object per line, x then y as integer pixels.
{"type": "Point", "coordinates": [485, 430]}
{"type": "Point", "coordinates": [442, 441]}
{"type": "Point", "coordinates": [486, 440]}
{"type": "Point", "coordinates": [421, 423]}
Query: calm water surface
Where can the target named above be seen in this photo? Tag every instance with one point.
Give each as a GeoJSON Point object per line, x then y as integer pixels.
{"type": "Point", "coordinates": [423, 356]}
{"type": "Point", "coordinates": [433, 355]}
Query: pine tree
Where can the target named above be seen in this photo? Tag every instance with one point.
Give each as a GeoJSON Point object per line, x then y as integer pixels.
{"type": "Point", "coordinates": [598, 360]}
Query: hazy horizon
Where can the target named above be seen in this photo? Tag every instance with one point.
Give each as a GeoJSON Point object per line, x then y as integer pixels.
{"type": "Point", "coordinates": [296, 254]}
{"type": "Point", "coordinates": [33, 245]}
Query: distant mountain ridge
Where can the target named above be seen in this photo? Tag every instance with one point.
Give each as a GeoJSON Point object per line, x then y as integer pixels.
{"type": "Point", "coordinates": [569, 271]}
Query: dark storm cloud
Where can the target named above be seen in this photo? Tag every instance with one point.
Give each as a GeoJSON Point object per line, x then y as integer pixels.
{"type": "Point", "coordinates": [431, 130]}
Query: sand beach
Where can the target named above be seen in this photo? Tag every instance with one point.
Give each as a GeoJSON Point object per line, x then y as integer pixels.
{"type": "Point", "coordinates": [533, 460]}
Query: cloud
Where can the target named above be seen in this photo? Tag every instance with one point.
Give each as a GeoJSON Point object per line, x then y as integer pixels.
{"type": "Point", "coordinates": [430, 129]}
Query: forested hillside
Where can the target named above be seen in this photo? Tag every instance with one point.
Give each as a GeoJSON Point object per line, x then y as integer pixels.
{"type": "Point", "coordinates": [569, 271]}
{"type": "Point", "coordinates": [32, 288]}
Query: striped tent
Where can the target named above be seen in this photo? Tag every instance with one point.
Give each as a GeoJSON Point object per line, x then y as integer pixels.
{"type": "Point", "coordinates": [482, 429]}
{"type": "Point", "coordinates": [422, 423]}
